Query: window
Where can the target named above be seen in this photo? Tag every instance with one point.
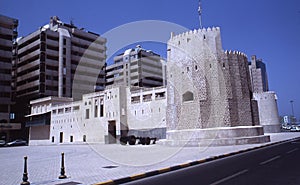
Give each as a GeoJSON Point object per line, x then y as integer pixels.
{"type": "Point", "coordinates": [96, 111]}
{"type": "Point", "coordinates": [84, 138]}
{"type": "Point", "coordinates": [196, 67]}
{"type": "Point", "coordinates": [87, 113]}
{"type": "Point", "coordinates": [71, 139]}
{"type": "Point", "coordinates": [52, 139]}
{"type": "Point", "coordinates": [101, 110]}
{"type": "Point", "coordinates": [188, 96]}
{"type": "Point", "coordinates": [12, 116]}
{"type": "Point", "coordinates": [67, 109]}
{"type": "Point", "coordinates": [75, 108]}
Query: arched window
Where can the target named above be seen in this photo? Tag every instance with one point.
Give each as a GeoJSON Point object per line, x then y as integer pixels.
{"type": "Point", "coordinates": [188, 96]}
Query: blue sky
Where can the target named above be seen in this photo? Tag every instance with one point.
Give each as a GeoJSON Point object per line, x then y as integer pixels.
{"type": "Point", "coordinates": [269, 29]}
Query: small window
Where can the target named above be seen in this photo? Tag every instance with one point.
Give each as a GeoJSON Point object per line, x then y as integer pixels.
{"type": "Point", "coordinates": [204, 37]}
{"type": "Point", "coordinates": [188, 96]}
{"type": "Point", "coordinates": [52, 139]}
{"type": "Point", "coordinates": [71, 139]}
{"type": "Point", "coordinates": [196, 67]}
{"type": "Point", "coordinates": [188, 69]}
{"type": "Point", "coordinates": [223, 65]}
{"type": "Point", "coordinates": [84, 138]}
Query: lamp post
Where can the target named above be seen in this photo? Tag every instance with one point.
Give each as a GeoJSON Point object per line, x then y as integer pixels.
{"type": "Point", "coordinates": [292, 105]}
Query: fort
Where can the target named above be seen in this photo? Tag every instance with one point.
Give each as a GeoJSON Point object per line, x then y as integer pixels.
{"type": "Point", "coordinates": [209, 92]}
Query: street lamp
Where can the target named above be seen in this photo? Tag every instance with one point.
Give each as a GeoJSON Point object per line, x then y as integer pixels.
{"type": "Point", "coordinates": [292, 110]}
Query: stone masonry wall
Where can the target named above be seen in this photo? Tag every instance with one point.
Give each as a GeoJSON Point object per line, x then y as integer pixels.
{"type": "Point", "coordinates": [206, 86]}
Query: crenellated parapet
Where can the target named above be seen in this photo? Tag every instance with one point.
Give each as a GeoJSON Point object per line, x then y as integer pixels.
{"type": "Point", "coordinates": [235, 54]}
{"type": "Point", "coordinates": [203, 31]}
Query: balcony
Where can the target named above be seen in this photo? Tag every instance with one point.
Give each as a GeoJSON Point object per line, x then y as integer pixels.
{"type": "Point", "coordinates": [28, 66]}
{"type": "Point", "coordinates": [29, 46]}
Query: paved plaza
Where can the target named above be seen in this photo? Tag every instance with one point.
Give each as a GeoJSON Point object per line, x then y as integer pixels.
{"type": "Point", "coordinates": [93, 163]}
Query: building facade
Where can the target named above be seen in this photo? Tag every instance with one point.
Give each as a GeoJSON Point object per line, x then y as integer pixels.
{"type": "Point", "coordinates": [102, 116]}
{"type": "Point", "coordinates": [209, 92]}
{"type": "Point", "coordinates": [137, 67]}
{"type": "Point", "coordinates": [53, 58]}
{"type": "Point", "coordinates": [258, 75]}
{"type": "Point", "coordinates": [8, 36]}
{"type": "Point", "coordinates": [60, 60]}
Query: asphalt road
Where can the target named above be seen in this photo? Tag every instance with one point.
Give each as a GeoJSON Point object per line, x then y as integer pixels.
{"type": "Point", "coordinates": [278, 164]}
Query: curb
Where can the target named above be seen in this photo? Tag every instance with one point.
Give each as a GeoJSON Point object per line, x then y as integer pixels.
{"type": "Point", "coordinates": [184, 165]}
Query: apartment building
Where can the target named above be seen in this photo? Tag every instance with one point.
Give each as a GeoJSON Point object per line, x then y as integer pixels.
{"type": "Point", "coordinates": [8, 34]}
{"type": "Point", "coordinates": [58, 59]}
{"type": "Point", "coordinates": [137, 67]}
{"type": "Point", "coordinates": [258, 75]}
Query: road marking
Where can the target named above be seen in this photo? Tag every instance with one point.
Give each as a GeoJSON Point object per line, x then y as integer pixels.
{"type": "Point", "coordinates": [295, 142]}
{"type": "Point", "coordinates": [292, 150]}
{"type": "Point", "coordinates": [269, 160]}
{"type": "Point", "coordinates": [229, 177]}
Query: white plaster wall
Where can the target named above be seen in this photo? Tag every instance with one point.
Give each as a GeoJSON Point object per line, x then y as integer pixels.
{"type": "Point", "coordinates": [267, 108]}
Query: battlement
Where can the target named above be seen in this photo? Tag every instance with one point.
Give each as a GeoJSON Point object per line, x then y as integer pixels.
{"type": "Point", "coordinates": [235, 53]}
{"type": "Point", "coordinates": [203, 31]}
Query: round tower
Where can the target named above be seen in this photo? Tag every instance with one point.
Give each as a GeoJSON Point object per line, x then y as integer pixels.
{"type": "Point", "coordinates": [268, 111]}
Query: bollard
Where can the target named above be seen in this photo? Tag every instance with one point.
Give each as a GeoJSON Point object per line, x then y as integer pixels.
{"type": "Point", "coordinates": [62, 169]}
{"type": "Point", "coordinates": [25, 174]}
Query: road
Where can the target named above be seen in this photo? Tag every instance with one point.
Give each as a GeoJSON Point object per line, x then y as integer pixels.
{"type": "Point", "coordinates": [272, 165]}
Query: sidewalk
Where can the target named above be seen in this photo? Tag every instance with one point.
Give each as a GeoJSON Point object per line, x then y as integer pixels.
{"type": "Point", "coordinates": [94, 163]}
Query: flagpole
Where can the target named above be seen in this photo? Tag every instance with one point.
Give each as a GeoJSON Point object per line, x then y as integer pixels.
{"type": "Point", "coordinates": [200, 14]}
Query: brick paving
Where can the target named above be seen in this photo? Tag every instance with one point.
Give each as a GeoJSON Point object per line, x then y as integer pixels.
{"type": "Point", "coordinates": [92, 163]}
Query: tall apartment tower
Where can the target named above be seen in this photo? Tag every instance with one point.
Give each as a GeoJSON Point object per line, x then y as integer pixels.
{"type": "Point", "coordinates": [8, 35]}
{"type": "Point", "coordinates": [266, 100]}
{"type": "Point", "coordinates": [137, 67]}
{"type": "Point", "coordinates": [61, 60]}
{"type": "Point", "coordinates": [258, 74]}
